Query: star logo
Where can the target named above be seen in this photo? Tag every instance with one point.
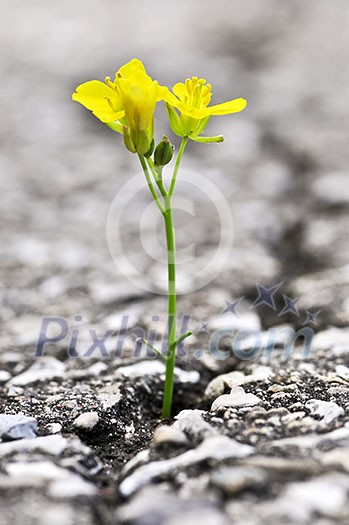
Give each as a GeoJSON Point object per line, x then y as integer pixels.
{"type": "Point", "coordinates": [266, 295]}
{"type": "Point", "coordinates": [232, 306]}
{"type": "Point", "coordinates": [203, 327]}
{"type": "Point", "coordinates": [290, 305]}
{"type": "Point", "coordinates": [311, 317]}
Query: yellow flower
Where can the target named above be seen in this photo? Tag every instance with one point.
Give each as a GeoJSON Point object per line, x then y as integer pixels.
{"type": "Point", "coordinates": [191, 99]}
{"type": "Point", "coordinates": [126, 104]}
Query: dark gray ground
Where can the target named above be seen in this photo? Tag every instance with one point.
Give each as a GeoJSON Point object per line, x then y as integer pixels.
{"type": "Point", "coordinates": [276, 449]}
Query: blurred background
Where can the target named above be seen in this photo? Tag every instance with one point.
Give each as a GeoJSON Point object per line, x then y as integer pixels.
{"type": "Point", "coordinates": [283, 167]}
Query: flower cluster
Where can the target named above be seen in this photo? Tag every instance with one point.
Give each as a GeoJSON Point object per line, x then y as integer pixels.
{"type": "Point", "coordinates": [127, 104]}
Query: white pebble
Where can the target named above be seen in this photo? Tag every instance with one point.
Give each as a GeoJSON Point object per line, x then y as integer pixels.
{"type": "Point", "coordinates": [87, 421]}
{"type": "Point", "coordinates": [237, 398]}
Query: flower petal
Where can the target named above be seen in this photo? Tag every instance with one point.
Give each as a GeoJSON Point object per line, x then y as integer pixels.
{"type": "Point", "coordinates": [180, 90]}
{"type": "Point", "coordinates": [165, 94]}
{"type": "Point", "coordinates": [132, 67]}
{"type": "Point", "coordinates": [233, 106]}
{"type": "Point", "coordinates": [94, 96]}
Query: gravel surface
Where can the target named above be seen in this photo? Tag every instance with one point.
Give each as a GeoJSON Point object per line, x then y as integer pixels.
{"type": "Point", "coordinates": [260, 428]}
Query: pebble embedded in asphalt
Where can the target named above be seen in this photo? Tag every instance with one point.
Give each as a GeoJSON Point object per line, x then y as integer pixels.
{"type": "Point", "coordinates": [87, 421]}
{"type": "Point", "coordinates": [17, 426]}
{"type": "Point", "coordinates": [237, 398]}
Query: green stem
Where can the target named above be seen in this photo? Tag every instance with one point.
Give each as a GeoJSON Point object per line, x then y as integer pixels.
{"type": "Point", "coordinates": [157, 176]}
{"type": "Point", "coordinates": [150, 184]}
{"type": "Point", "coordinates": [171, 266]}
{"type": "Point", "coordinates": [152, 168]}
{"type": "Point", "coordinates": [182, 337]}
{"type": "Point", "coordinates": [160, 354]}
{"type": "Point", "coordinates": [178, 161]}
{"type": "Point", "coordinates": [166, 211]}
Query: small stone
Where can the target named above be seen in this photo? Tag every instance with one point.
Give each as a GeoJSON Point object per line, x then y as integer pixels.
{"type": "Point", "coordinates": [280, 411]}
{"type": "Point", "coordinates": [10, 358]}
{"type": "Point", "coordinates": [108, 396]}
{"type": "Point", "coordinates": [336, 339]}
{"type": "Point", "coordinates": [256, 412]}
{"type": "Point", "coordinates": [248, 321]}
{"type": "Point", "coordinates": [26, 329]}
{"type": "Point", "coordinates": [217, 386]}
{"type": "Point", "coordinates": [4, 376]}
{"type": "Point", "coordinates": [92, 371]}
{"type": "Point", "coordinates": [214, 389]}
{"type": "Point", "coordinates": [121, 322]}
{"type": "Point", "coordinates": [342, 371]}
{"type": "Point", "coordinates": [326, 410]}
{"type": "Point", "coordinates": [278, 396]}
{"type": "Point", "coordinates": [54, 445]}
{"type": "Point", "coordinates": [129, 432]}
{"type": "Point", "coordinates": [337, 457]}
{"type": "Point", "coordinates": [237, 398]}
{"type": "Point", "coordinates": [290, 418]}
{"type": "Point", "coordinates": [45, 369]}
{"type": "Point", "coordinates": [283, 388]}
{"type": "Point", "coordinates": [332, 377]}
{"type": "Point", "coordinates": [167, 434]}
{"type": "Point", "coordinates": [54, 399]}
{"type": "Point", "coordinates": [71, 486]}
{"type": "Point", "coordinates": [215, 448]}
{"type": "Point", "coordinates": [53, 428]}
{"type": "Point", "coordinates": [326, 495]}
{"type": "Point", "coordinates": [159, 505]}
{"type": "Point", "coordinates": [61, 482]}
{"type": "Point", "coordinates": [17, 426]}
{"type": "Point", "coordinates": [192, 423]}
{"type": "Point", "coordinates": [15, 391]}
{"type": "Point", "coordinates": [305, 425]}
{"type": "Point", "coordinates": [87, 421]}
{"type": "Point", "coordinates": [253, 434]}
{"type": "Point", "coordinates": [155, 367]}
{"type": "Point", "coordinates": [96, 369]}
{"type": "Point", "coordinates": [337, 437]}
{"type": "Point", "coordinates": [53, 287]}
{"type": "Point", "coordinates": [278, 336]}
{"type": "Point", "coordinates": [104, 292]}
{"type": "Point", "coordinates": [33, 474]}
{"type": "Point", "coordinates": [234, 379]}
{"type": "Point", "coordinates": [69, 404]}
{"type": "Point", "coordinates": [276, 466]}
{"type": "Point", "coordinates": [235, 479]}
{"type": "Point", "coordinates": [332, 188]}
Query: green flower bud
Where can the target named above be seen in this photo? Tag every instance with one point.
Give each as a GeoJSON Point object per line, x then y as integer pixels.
{"type": "Point", "coordinates": [163, 152]}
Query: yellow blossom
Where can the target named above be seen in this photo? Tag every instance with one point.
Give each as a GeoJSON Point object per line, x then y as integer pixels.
{"type": "Point", "coordinates": [126, 104]}
{"type": "Point", "coordinates": [192, 100]}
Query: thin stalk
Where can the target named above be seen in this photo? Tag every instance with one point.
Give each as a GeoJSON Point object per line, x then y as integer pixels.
{"type": "Point", "coordinates": [172, 300]}
{"type": "Point", "coordinates": [166, 211]}
{"type": "Point", "coordinates": [158, 352]}
{"type": "Point", "coordinates": [150, 184]}
{"type": "Point", "coordinates": [182, 337]}
{"type": "Point", "coordinates": [157, 177]}
{"type": "Point", "coordinates": [176, 168]}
